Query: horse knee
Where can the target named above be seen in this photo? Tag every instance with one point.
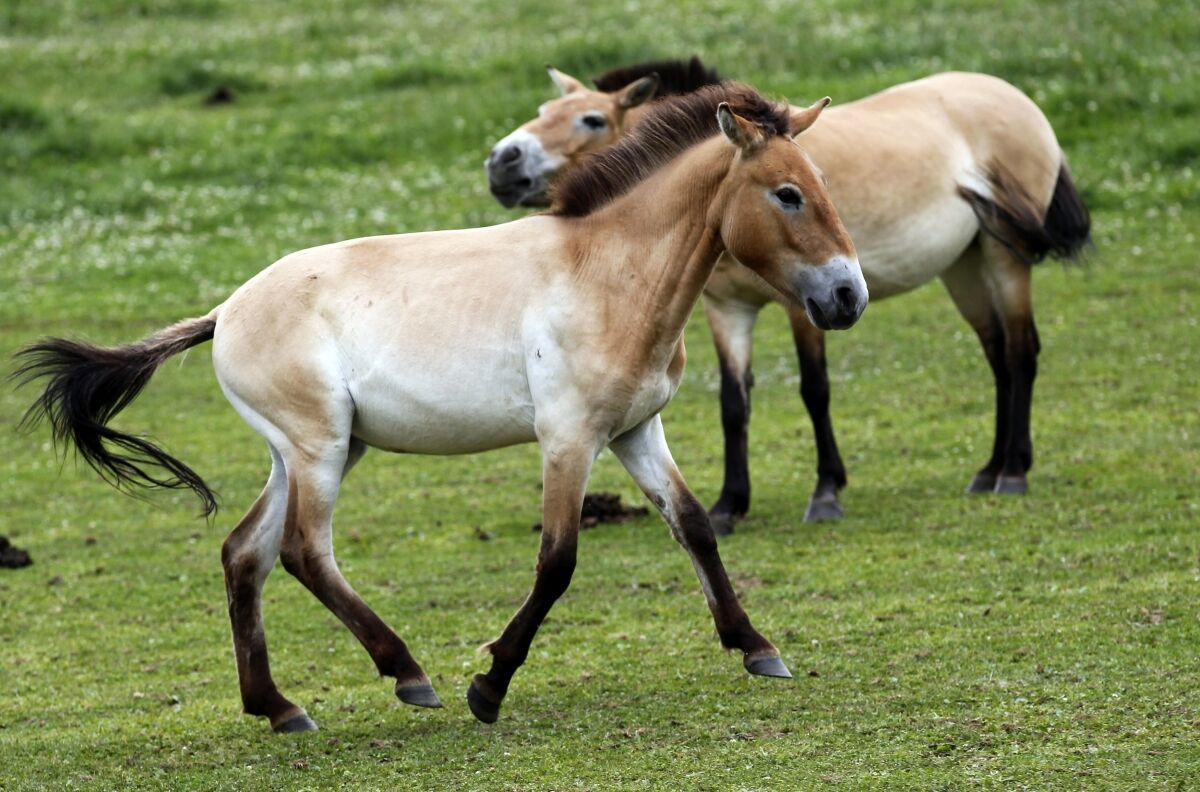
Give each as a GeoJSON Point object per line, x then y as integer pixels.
{"type": "Point", "coordinates": [556, 567]}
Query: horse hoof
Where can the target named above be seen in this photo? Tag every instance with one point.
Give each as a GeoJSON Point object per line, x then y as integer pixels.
{"type": "Point", "coordinates": [982, 482]}
{"type": "Point", "coordinates": [482, 707]}
{"type": "Point", "coordinates": [768, 666]}
{"type": "Point", "coordinates": [1011, 485]}
{"type": "Point", "coordinates": [418, 695]}
{"type": "Point", "coordinates": [296, 723]}
{"type": "Point", "coordinates": [823, 508]}
{"type": "Point", "coordinates": [722, 524]}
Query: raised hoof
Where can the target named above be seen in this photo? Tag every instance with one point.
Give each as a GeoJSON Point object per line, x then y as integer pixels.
{"type": "Point", "coordinates": [482, 708]}
{"type": "Point", "coordinates": [1011, 485]}
{"type": "Point", "coordinates": [823, 508]}
{"type": "Point", "coordinates": [419, 695]}
{"type": "Point", "coordinates": [768, 666]}
{"type": "Point", "coordinates": [981, 483]}
{"type": "Point", "coordinates": [296, 723]}
{"type": "Point", "coordinates": [722, 524]}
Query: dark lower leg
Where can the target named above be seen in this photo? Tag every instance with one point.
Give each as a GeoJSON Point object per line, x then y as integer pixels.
{"type": "Point", "coordinates": [391, 656]}
{"type": "Point", "coordinates": [556, 564]}
{"type": "Point", "coordinates": [307, 553]}
{"type": "Point", "coordinates": [1022, 348]}
{"type": "Point", "coordinates": [991, 338]}
{"type": "Point", "coordinates": [693, 531]}
{"type": "Point", "coordinates": [814, 389]}
{"type": "Point", "coordinates": [734, 500]}
{"type": "Point", "coordinates": [247, 557]}
{"type": "Point", "coordinates": [565, 473]}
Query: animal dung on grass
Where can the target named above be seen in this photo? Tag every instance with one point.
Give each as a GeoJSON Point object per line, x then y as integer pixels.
{"type": "Point", "coordinates": [11, 556]}
{"type": "Point", "coordinates": [601, 507]}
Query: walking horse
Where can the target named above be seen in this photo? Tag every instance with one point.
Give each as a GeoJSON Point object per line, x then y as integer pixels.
{"type": "Point", "coordinates": [957, 176]}
{"type": "Point", "coordinates": [564, 328]}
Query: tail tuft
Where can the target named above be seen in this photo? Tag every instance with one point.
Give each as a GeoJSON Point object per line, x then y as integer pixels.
{"type": "Point", "coordinates": [1014, 219]}
{"type": "Point", "coordinates": [1068, 223]}
{"type": "Point", "coordinates": [88, 385]}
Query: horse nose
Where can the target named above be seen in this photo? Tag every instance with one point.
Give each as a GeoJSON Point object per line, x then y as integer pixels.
{"type": "Point", "coordinates": [510, 155]}
{"type": "Point", "coordinates": [847, 300]}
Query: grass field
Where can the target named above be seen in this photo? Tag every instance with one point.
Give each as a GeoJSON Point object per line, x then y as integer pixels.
{"type": "Point", "coordinates": [940, 641]}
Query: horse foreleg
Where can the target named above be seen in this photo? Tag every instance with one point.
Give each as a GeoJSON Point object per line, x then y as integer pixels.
{"type": "Point", "coordinates": [644, 453]}
{"type": "Point", "coordinates": [248, 556]}
{"type": "Point", "coordinates": [732, 325]}
{"type": "Point", "coordinates": [814, 389]}
{"type": "Point", "coordinates": [565, 470]}
{"type": "Point", "coordinates": [307, 553]}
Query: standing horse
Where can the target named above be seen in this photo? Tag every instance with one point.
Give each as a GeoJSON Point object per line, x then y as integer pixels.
{"type": "Point", "coordinates": [957, 176]}
{"type": "Point", "coordinates": [564, 328]}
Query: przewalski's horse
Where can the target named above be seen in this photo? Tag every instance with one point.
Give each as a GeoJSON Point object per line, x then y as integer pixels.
{"type": "Point", "coordinates": [956, 176]}
{"type": "Point", "coordinates": [564, 328]}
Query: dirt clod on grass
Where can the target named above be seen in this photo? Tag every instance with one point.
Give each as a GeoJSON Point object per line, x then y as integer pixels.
{"type": "Point", "coordinates": [12, 557]}
{"type": "Point", "coordinates": [599, 507]}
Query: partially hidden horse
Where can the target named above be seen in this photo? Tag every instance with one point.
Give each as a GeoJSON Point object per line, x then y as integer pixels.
{"type": "Point", "coordinates": [956, 176]}
{"type": "Point", "coordinates": [564, 328]}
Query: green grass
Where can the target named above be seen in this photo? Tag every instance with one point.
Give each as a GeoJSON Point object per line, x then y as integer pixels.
{"type": "Point", "coordinates": [939, 641]}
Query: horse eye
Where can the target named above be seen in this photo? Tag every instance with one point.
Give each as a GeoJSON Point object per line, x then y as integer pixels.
{"type": "Point", "coordinates": [789, 197]}
{"type": "Point", "coordinates": [594, 122]}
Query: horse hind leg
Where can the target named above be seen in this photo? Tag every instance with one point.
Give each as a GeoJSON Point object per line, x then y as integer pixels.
{"type": "Point", "coordinates": [1010, 280]}
{"type": "Point", "coordinates": [313, 481]}
{"type": "Point", "coordinates": [991, 289]}
{"type": "Point", "coordinates": [248, 557]}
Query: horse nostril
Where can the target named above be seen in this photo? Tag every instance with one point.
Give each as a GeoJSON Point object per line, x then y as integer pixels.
{"type": "Point", "coordinates": [510, 154]}
{"type": "Point", "coordinates": [845, 299]}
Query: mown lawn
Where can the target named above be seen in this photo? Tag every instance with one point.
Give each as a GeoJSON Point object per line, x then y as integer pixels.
{"type": "Point", "coordinates": [939, 640]}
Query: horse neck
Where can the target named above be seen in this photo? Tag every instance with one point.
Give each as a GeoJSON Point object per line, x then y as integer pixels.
{"type": "Point", "coordinates": [654, 248]}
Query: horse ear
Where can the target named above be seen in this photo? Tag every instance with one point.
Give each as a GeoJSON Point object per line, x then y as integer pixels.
{"type": "Point", "coordinates": [565, 82]}
{"type": "Point", "coordinates": [802, 119]}
{"type": "Point", "coordinates": [742, 133]}
{"type": "Point", "coordinates": [638, 92]}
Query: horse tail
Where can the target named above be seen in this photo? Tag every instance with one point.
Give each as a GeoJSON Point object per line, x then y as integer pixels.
{"type": "Point", "coordinates": [1068, 223]}
{"type": "Point", "coordinates": [1010, 215]}
{"type": "Point", "coordinates": [88, 385]}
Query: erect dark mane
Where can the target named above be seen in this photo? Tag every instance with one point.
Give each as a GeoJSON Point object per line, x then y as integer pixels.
{"type": "Point", "coordinates": [673, 125]}
{"type": "Point", "coordinates": [675, 77]}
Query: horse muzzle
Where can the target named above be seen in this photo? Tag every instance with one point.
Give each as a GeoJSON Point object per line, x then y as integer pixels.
{"type": "Point", "coordinates": [834, 294]}
{"type": "Point", "coordinates": [517, 169]}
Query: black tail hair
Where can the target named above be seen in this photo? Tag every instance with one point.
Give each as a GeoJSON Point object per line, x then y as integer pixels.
{"type": "Point", "coordinates": [88, 385]}
{"type": "Point", "coordinates": [1062, 230]}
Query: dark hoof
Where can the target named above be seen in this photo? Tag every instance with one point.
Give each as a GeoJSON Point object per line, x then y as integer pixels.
{"type": "Point", "coordinates": [1011, 485]}
{"type": "Point", "coordinates": [722, 524]}
{"type": "Point", "coordinates": [825, 507]}
{"type": "Point", "coordinates": [983, 482]}
{"type": "Point", "coordinates": [482, 707]}
{"type": "Point", "coordinates": [768, 666]}
{"type": "Point", "coordinates": [418, 695]}
{"type": "Point", "coordinates": [296, 723]}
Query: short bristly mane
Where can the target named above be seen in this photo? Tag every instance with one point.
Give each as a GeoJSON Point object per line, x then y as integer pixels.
{"type": "Point", "coordinates": [673, 125]}
{"type": "Point", "coordinates": [675, 77]}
